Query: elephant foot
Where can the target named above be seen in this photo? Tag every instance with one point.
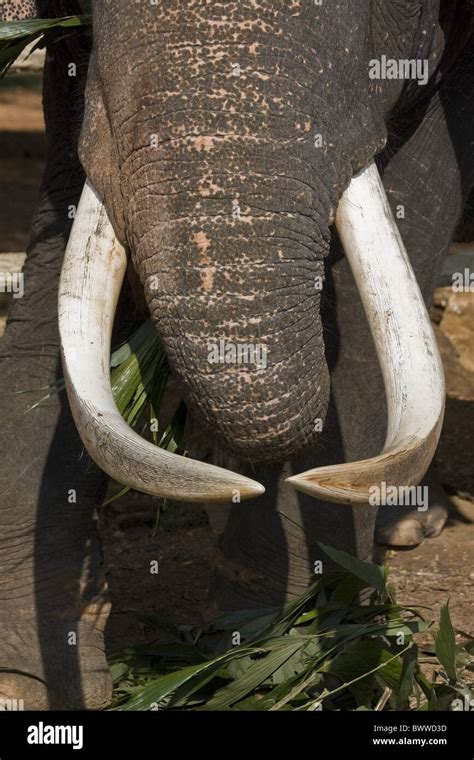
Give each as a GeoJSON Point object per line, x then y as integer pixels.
{"type": "Point", "coordinates": [53, 663]}
{"type": "Point", "coordinates": [54, 606]}
{"type": "Point", "coordinates": [408, 525]}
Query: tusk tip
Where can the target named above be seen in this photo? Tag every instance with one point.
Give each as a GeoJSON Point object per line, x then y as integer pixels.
{"type": "Point", "coordinates": [250, 489]}
{"type": "Point", "coordinates": [320, 486]}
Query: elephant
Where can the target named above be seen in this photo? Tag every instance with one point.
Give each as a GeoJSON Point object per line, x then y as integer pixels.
{"type": "Point", "coordinates": [286, 175]}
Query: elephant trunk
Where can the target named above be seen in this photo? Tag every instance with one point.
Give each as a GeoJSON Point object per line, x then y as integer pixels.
{"type": "Point", "coordinates": [232, 265]}
{"type": "Point", "coordinates": [228, 212]}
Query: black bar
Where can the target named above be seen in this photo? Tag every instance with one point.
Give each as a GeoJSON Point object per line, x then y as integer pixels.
{"type": "Point", "coordinates": [223, 734]}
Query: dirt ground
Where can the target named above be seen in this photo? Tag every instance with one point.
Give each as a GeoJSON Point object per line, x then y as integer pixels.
{"type": "Point", "coordinates": [438, 569]}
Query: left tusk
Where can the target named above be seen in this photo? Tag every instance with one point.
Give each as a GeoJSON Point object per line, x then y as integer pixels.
{"type": "Point", "coordinates": [406, 348]}
{"type": "Point", "coordinates": [91, 278]}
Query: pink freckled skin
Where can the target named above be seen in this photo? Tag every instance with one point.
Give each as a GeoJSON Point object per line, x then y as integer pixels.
{"type": "Point", "coordinates": [207, 279]}
{"type": "Point", "coordinates": [204, 143]}
{"type": "Point", "coordinates": [208, 188]}
{"type": "Point", "coordinates": [207, 276]}
{"type": "Point", "coordinates": [203, 243]}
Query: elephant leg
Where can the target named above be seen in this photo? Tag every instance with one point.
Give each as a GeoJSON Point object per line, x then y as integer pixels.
{"type": "Point", "coordinates": [271, 549]}
{"type": "Point", "coordinates": [53, 599]}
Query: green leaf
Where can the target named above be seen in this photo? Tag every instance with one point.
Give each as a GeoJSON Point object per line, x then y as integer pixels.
{"type": "Point", "coordinates": [347, 590]}
{"type": "Point", "coordinates": [116, 496]}
{"type": "Point", "coordinates": [280, 651]}
{"type": "Point", "coordinates": [445, 644]}
{"type": "Point", "coordinates": [163, 689]}
{"type": "Point", "coordinates": [322, 639]}
{"type": "Point", "coordinates": [292, 666]}
{"type": "Point", "coordinates": [358, 659]}
{"type": "Point", "coordinates": [12, 30]}
{"type": "Point", "coordinates": [144, 333]}
{"type": "Point", "coordinates": [409, 667]}
{"type": "Point", "coordinates": [15, 36]}
{"type": "Point", "coordinates": [373, 575]}
{"type": "Point", "coordinates": [249, 623]}
{"type": "Point", "coordinates": [139, 376]}
{"type": "Point", "coordinates": [173, 437]}
{"type": "Point", "coordinates": [293, 611]}
{"type": "Point", "coordinates": [118, 670]}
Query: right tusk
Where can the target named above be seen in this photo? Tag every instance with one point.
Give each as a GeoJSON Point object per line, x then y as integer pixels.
{"type": "Point", "coordinates": [91, 279]}
{"type": "Point", "coordinates": [406, 347]}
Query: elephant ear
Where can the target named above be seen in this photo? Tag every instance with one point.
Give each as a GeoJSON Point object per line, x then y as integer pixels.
{"type": "Point", "coordinates": [21, 10]}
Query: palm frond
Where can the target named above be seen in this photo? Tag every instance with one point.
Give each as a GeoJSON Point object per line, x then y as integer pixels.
{"type": "Point", "coordinates": [15, 36]}
{"type": "Point", "coordinates": [324, 651]}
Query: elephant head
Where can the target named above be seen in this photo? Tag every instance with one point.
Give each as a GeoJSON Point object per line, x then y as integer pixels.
{"type": "Point", "coordinates": [221, 141]}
